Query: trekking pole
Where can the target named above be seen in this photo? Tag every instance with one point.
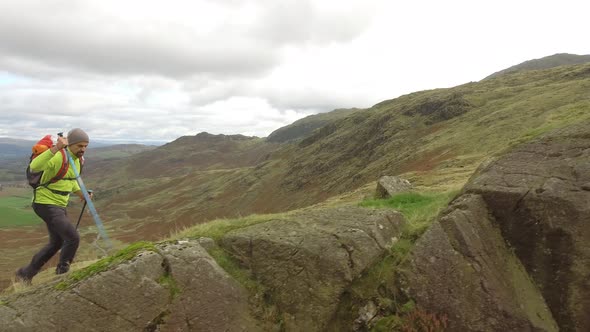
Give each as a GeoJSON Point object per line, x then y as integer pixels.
{"type": "Point", "coordinates": [82, 212]}
{"type": "Point", "coordinates": [91, 207]}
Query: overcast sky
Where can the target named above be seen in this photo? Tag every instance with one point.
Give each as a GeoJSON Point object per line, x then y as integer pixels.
{"type": "Point", "coordinates": [141, 70]}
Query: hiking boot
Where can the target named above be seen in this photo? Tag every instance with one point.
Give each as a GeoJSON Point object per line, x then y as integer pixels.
{"type": "Point", "coordinates": [22, 277]}
{"type": "Point", "coordinates": [62, 268]}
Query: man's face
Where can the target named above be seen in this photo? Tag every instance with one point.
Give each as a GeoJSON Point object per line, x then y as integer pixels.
{"type": "Point", "coordinates": [79, 148]}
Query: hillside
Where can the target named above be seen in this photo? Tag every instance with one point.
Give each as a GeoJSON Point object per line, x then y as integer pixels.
{"type": "Point", "coordinates": [560, 59]}
{"type": "Point", "coordinates": [435, 138]}
{"type": "Point", "coordinates": [14, 154]}
{"type": "Point", "coordinates": [10, 148]}
{"type": "Point", "coordinates": [304, 127]}
{"type": "Point", "coordinates": [117, 151]}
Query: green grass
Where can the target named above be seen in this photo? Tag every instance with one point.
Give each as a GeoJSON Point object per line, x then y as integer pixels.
{"type": "Point", "coordinates": [167, 281]}
{"type": "Point", "coordinates": [418, 208]}
{"type": "Point", "coordinates": [104, 264]}
{"type": "Point", "coordinates": [16, 211]}
{"type": "Point", "coordinates": [379, 283]}
{"type": "Point", "coordinates": [232, 267]}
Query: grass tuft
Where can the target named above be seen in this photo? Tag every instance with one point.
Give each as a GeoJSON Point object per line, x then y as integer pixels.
{"type": "Point", "coordinates": [379, 283]}
{"type": "Point", "coordinates": [419, 209]}
{"type": "Point", "coordinates": [167, 281]}
{"type": "Point", "coordinates": [104, 264]}
{"type": "Point", "coordinates": [232, 267]}
{"type": "Point", "coordinates": [217, 228]}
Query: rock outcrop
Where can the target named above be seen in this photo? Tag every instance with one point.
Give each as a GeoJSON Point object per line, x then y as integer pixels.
{"type": "Point", "coordinates": [308, 260]}
{"type": "Point", "coordinates": [177, 287]}
{"type": "Point", "coordinates": [463, 268]}
{"type": "Point", "coordinates": [305, 261]}
{"type": "Point", "coordinates": [388, 186]}
{"type": "Point", "coordinates": [514, 243]}
{"type": "Point", "coordinates": [539, 196]}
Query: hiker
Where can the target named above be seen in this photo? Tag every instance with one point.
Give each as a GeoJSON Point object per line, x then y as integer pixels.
{"type": "Point", "coordinates": [50, 201]}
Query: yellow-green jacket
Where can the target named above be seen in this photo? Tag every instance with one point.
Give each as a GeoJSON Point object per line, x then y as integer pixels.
{"type": "Point", "coordinates": [50, 164]}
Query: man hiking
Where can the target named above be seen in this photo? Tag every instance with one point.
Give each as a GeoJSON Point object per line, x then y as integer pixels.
{"type": "Point", "coordinates": [50, 200]}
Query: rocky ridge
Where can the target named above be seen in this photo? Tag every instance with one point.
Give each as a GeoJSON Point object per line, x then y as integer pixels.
{"type": "Point", "coordinates": [305, 262]}
{"type": "Point", "coordinates": [511, 252]}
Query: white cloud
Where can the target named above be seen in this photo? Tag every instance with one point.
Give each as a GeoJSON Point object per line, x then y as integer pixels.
{"type": "Point", "coordinates": [158, 70]}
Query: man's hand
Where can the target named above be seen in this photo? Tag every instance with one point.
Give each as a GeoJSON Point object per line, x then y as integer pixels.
{"type": "Point", "coordinates": [62, 142]}
{"type": "Point", "coordinates": [81, 195]}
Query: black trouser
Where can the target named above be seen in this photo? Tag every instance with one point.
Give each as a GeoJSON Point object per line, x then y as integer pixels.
{"type": "Point", "coordinates": [62, 235]}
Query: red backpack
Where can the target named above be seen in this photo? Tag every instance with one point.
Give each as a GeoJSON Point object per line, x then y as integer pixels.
{"type": "Point", "coordinates": [34, 178]}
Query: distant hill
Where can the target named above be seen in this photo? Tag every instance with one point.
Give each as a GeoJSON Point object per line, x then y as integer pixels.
{"type": "Point", "coordinates": [201, 152]}
{"type": "Point", "coordinates": [117, 151]}
{"type": "Point", "coordinates": [547, 62]}
{"type": "Point", "coordinates": [16, 142]}
{"type": "Point", "coordinates": [18, 148]}
{"type": "Point", "coordinates": [15, 153]}
{"type": "Point", "coordinates": [10, 148]}
{"type": "Point", "coordinates": [304, 127]}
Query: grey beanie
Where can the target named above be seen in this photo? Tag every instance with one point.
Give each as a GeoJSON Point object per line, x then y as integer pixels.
{"type": "Point", "coordinates": [77, 135]}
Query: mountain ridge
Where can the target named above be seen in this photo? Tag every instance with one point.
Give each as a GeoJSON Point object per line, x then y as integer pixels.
{"type": "Point", "coordinates": [555, 60]}
{"type": "Point", "coordinates": [305, 126]}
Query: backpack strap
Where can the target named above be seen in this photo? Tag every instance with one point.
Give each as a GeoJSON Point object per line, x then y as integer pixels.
{"type": "Point", "coordinates": [59, 176]}
{"type": "Point", "coordinates": [63, 169]}
{"type": "Point", "coordinates": [80, 172]}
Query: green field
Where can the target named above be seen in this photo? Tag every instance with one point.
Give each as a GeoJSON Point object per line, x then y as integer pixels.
{"type": "Point", "coordinates": [17, 211]}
